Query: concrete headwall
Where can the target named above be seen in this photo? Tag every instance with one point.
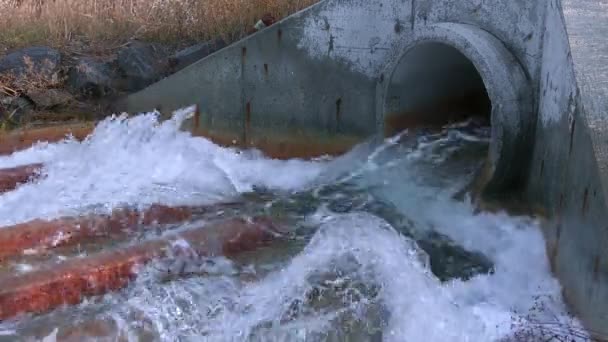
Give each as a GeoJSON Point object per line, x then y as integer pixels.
{"type": "Point", "coordinates": [341, 71]}
{"type": "Point", "coordinates": [303, 86]}
{"type": "Point", "coordinates": [568, 174]}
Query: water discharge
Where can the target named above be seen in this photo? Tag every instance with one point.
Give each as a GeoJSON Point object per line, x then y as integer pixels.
{"type": "Point", "coordinates": [382, 248]}
{"type": "Point", "coordinates": [139, 161]}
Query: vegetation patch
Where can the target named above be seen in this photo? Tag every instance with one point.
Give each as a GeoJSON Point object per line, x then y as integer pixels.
{"type": "Point", "coordinates": [99, 23]}
{"type": "Point", "coordinates": [68, 60]}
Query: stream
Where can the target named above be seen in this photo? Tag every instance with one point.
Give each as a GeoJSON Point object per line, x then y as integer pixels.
{"type": "Point", "coordinates": [382, 244]}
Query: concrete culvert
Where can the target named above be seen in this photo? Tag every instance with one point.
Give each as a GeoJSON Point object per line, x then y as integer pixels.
{"type": "Point", "coordinates": [434, 84]}
{"type": "Point", "coordinates": [449, 72]}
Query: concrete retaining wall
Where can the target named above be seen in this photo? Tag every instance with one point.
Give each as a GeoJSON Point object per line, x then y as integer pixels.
{"type": "Point", "coordinates": [302, 86]}
{"type": "Point", "coordinates": [568, 175]}
{"type": "Point", "coordinates": [329, 76]}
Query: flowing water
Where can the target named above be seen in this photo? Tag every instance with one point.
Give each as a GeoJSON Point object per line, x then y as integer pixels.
{"type": "Point", "coordinates": [381, 248]}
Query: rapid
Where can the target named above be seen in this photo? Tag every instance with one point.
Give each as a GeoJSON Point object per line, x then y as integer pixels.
{"type": "Point", "coordinates": [384, 242]}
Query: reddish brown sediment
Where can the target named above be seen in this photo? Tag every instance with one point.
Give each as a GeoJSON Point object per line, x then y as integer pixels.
{"type": "Point", "coordinates": [439, 113]}
{"type": "Point", "coordinates": [277, 144]}
{"type": "Point", "coordinates": [25, 138]}
{"type": "Point", "coordinates": [41, 234]}
{"type": "Point", "coordinates": [302, 147]}
{"type": "Point", "coordinates": [283, 145]}
{"type": "Point", "coordinates": [12, 177]}
{"type": "Point", "coordinates": [280, 146]}
{"type": "Point", "coordinates": [72, 281]}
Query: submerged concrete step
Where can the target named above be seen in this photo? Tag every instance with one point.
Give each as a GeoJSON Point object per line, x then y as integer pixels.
{"type": "Point", "coordinates": [40, 235]}
{"type": "Point", "coordinates": [13, 177]}
{"type": "Point", "coordinates": [73, 280]}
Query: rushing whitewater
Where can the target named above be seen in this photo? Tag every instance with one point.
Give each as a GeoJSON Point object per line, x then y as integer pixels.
{"type": "Point", "coordinates": [138, 161]}
{"type": "Point", "coordinates": [382, 249]}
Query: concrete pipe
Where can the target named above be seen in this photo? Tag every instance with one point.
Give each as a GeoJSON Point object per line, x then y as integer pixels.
{"type": "Point", "coordinates": [451, 71]}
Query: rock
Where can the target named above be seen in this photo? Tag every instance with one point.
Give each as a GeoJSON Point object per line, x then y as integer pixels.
{"type": "Point", "coordinates": [267, 20]}
{"type": "Point", "coordinates": [181, 266]}
{"type": "Point", "coordinates": [191, 54]}
{"type": "Point", "coordinates": [95, 330]}
{"type": "Point", "coordinates": [49, 98]}
{"type": "Point", "coordinates": [4, 113]}
{"type": "Point", "coordinates": [14, 109]}
{"type": "Point", "coordinates": [40, 60]}
{"type": "Point", "coordinates": [141, 64]}
{"type": "Point", "coordinates": [91, 78]}
{"type": "Point", "coordinates": [449, 261]}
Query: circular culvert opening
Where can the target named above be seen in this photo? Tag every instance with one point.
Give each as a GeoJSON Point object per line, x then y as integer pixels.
{"type": "Point", "coordinates": [434, 84]}
{"type": "Point", "coordinates": [450, 72]}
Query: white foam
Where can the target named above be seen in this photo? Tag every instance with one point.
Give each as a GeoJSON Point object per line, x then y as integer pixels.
{"type": "Point", "coordinates": [488, 307]}
{"type": "Point", "coordinates": [139, 161]}
{"type": "Point", "coordinates": [521, 290]}
{"type": "Point", "coordinates": [358, 245]}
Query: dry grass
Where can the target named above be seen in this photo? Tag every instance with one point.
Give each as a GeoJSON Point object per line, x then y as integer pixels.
{"type": "Point", "coordinates": [13, 86]}
{"type": "Point", "coordinates": [31, 79]}
{"type": "Point", "coordinates": [61, 22]}
{"type": "Point", "coordinates": [98, 27]}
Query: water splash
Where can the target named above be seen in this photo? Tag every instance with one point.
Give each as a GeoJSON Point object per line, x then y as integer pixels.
{"type": "Point", "coordinates": [140, 161]}
{"type": "Point", "coordinates": [349, 276]}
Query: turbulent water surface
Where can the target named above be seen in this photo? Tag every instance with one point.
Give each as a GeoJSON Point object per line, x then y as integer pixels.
{"type": "Point", "coordinates": [381, 248]}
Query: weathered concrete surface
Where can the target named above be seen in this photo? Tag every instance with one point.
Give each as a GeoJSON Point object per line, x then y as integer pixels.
{"type": "Point", "coordinates": [568, 175]}
{"type": "Point", "coordinates": [353, 68]}
{"type": "Point", "coordinates": [294, 79]}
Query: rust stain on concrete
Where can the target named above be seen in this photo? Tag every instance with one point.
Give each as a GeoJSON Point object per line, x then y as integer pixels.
{"type": "Point", "coordinates": [25, 138]}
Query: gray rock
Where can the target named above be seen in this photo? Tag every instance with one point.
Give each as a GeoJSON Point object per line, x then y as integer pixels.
{"type": "Point", "coordinates": [13, 109]}
{"type": "Point", "coordinates": [177, 267]}
{"type": "Point", "coordinates": [49, 98]}
{"type": "Point", "coordinates": [189, 55]}
{"type": "Point", "coordinates": [217, 266]}
{"type": "Point", "coordinates": [92, 78]}
{"type": "Point", "coordinates": [40, 60]}
{"type": "Point", "coordinates": [141, 64]}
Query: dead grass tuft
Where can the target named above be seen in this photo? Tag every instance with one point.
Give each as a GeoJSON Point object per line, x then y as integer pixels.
{"type": "Point", "coordinates": [31, 79]}
{"type": "Point", "coordinates": [58, 22]}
